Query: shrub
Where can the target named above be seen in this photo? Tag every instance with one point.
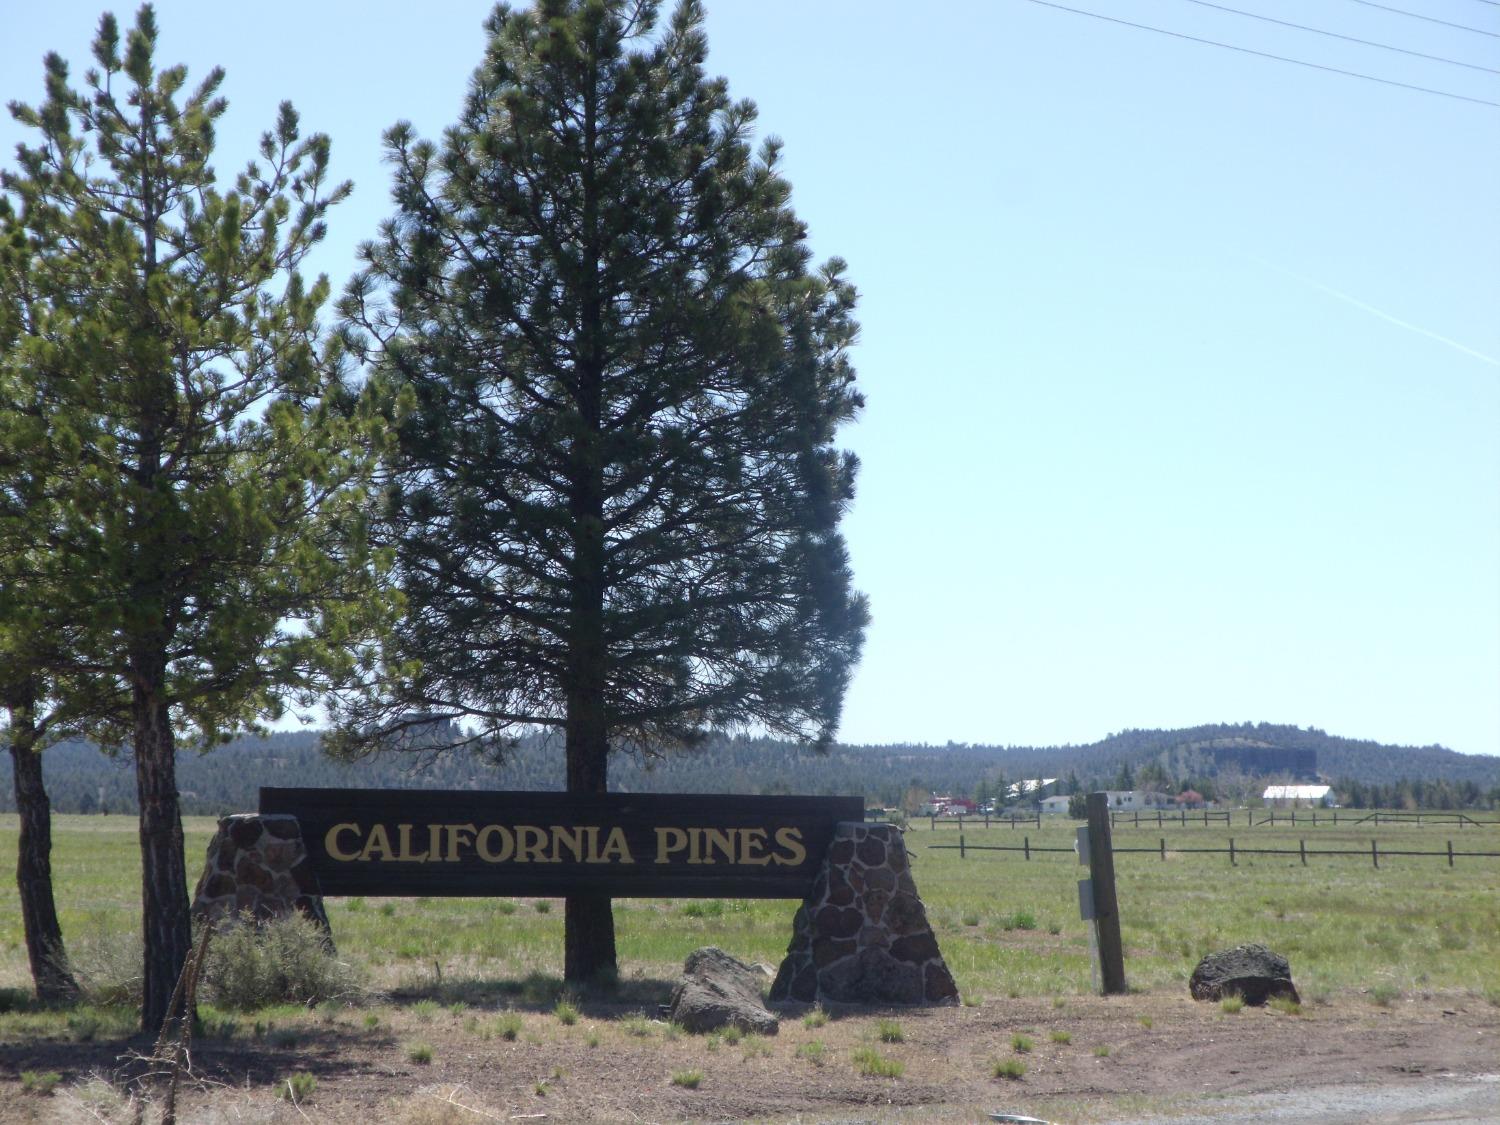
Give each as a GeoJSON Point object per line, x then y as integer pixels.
{"type": "Point", "coordinates": [1010, 1068]}
{"type": "Point", "coordinates": [1020, 1044]}
{"type": "Point", "coordinates": [814, 1052]}
{"type": "Point", "coordinates": [1063, 1037]}
{"type": "Point", "coordinates": [815, 1018]}
{"type": "Point", "coordinates": [687, 1079]}
{"type": "Point", "coordinates": [872, 1064]}
{"type": "Point", "coordinates": [298, 1088]}
{"type": "Point", "coordinates": [889, 1031]}
{"type": "Point", "coordinates": [424, 1010]}
{"type": "Point", "coordinates": [251, 966]}
{"type": "Point", "coordinates": [1232, 1003]}
{"type": "Point", "coordinates": [566, 1013]}
{"type": "Point", "coordinates": [40, 1082]}
{"type": "Point", "coordinates": [419, 1053]}
{"type": "Point", "coordinates": [508, 1026]}
{"type": "Point", "coordinates": [1285, 1005]}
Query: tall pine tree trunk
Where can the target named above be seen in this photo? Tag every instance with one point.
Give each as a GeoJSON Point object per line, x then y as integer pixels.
{"type": "Point", "coordinates": [166, 922]}
{"type": "Point", "coordinates": [588, 919]}
{"type": "Point", "coordinates": [44, 942]}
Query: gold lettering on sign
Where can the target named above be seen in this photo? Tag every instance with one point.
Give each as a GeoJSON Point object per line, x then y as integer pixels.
{"type": "Point", "coordinates": [718, 839]}
{"type": "Point", "coordinates": [331, 843]}
{"type": "Point", "coordinates": [487, 851]}
{"type": "Point", "coordinates": [752, 845]}
{"type": "Point", "coordinates": [404, 852]}
{"type": "Point", "coordinates": [615, 845]}
{"type": "Point", "coordinates": [379, 841]}
{"type": "Point", "coordinates": [669, 840]}
{"type": "Point", "coordinates": [531, 844]}
{"type": "Point", "coordinates": [570, 838]}
{"type": "Point", "coordinates": [459, 835]}
{"type": "Point", "coordinates": [791, 840]}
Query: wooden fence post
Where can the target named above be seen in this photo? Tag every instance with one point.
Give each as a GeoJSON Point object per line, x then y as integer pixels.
{"type": "Point", "coordinates": [1302, 847]}
{"type": "Point", "coordinates": [1106, 904]}
{"type": "Point", "coordinates": [1231, 852]}
{"type": "Point", "coordinates": [1450, 850]}
{"type": "Point", "coordinates": [1374, 854]}
{"type": "Point", "coordinates": [961, 852]}
{"type": "Point", "coordinates": [1026, 842]}
{"type": "Point", "coordinates": [1164, 849]}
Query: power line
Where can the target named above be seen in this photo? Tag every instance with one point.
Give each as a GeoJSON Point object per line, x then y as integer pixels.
{"type": "Point", "coordinates": [1267, 55]}
{"type": "Point", "coordinates": [1429, 19]}
{"type": "Point", "coordinates": [1346, 38]}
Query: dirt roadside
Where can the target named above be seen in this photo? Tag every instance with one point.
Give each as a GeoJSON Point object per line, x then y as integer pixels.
{"type": "Point", "coordinates": [1087, 1059]}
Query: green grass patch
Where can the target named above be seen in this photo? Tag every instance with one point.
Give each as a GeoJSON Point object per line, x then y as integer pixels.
{"type": "Point", "coordinates": [1021, 1044]}
{"type": "Point", "coordinates": [419, 1053]}
{"type": "Point", "coordinates": [41, 1082]}
{"type": "Point", "coordinates": [687, 1079]}
{"type": "Point", "coordinates": [890, 1031]}
{"type": "Point", "coordinates": [1013, 1069]}
{"type": "Point", "coordinates": [813, 1051]}
{"type": "Point", "coordinates": [872, 1064]}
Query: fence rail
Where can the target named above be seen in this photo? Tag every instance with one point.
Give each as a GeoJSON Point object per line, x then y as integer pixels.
{"type": "Point", "coordinates": [1375, 853]}
{"type": "Point", "coordinates": [1254, 818]}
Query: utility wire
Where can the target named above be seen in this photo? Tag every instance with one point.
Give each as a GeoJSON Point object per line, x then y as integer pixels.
{"type": "Point", "coordinates": [1346, 38]}
{"type": "Point", "coordinates": [1429, 19]}
{"type": "Point", "coordinates": [1266, 54]}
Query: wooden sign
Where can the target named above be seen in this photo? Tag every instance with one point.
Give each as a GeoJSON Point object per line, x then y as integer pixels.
{"type": "Point", "coordinates": [460, 842]}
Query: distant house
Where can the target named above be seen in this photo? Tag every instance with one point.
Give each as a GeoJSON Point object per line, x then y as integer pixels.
{"type": "Point", "coordinates": [1054, 804]}
{"type": "Point", "coordinates": [1133, 800]}
{"type": "Point", "coordinates": [1298, 796]}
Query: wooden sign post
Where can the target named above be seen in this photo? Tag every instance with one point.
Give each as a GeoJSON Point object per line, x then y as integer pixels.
{"type": "Point", "coordinates": [1097, 899]}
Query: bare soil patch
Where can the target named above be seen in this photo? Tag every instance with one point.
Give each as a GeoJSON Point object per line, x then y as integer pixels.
{"type": "Point", "coordinates": [1089, 1059]}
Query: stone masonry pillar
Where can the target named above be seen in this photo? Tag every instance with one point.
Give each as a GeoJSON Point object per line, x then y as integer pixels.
{"type": "Point", "coordinates": [257, 866]}
{"type": "Point", "coordinates": [861, 936]}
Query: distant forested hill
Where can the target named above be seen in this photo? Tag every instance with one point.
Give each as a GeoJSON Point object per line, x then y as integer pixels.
{"type": "Point", "coordinates": [227, 779]}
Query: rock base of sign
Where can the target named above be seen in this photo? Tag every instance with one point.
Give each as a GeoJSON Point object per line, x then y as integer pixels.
{"type": "Point", "coordinates": [257, 868]}
{"type": "Point", "coordinates": [717, 990]}
{"type": "Point", "coordinates": [862, 936]}
{"type": "Point", "coordinates": [1251, 972]}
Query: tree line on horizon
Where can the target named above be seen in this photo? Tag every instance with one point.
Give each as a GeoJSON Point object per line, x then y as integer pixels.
{"type": "Point", "coordinates": [563, 458]}
{"type": "Point", "coordinates": [80, 779]}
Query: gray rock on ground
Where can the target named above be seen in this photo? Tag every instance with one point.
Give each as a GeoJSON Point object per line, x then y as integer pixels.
{"type": "Point", "coordinates": [717, 990]}
{"type": "Point", "coordinates": [1252, 972]}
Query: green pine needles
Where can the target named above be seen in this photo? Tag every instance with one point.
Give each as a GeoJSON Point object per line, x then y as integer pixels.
{"type": "Point", "coordinates": [180, 497]}
{"type": "Point", "coordinates": [615, 379]}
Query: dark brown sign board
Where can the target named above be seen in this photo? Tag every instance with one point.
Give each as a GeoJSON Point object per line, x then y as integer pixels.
{"type": "Point", "coordinates": [462, 842]}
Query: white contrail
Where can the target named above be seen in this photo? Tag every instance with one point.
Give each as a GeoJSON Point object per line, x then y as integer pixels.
{"type": "Point", "coordinates": [1397, 321]}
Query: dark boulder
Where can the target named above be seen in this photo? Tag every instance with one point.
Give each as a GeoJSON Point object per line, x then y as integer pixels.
{"type": "Point", "coordinates": [716, 990]}
{"type": "Point", "coordinates": [1252, 972]}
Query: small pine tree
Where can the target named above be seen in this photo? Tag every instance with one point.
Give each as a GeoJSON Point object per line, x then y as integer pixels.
{"type": "Point", "coordinates": [166, 385]}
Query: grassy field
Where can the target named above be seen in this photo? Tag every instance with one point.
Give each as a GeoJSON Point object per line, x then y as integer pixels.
{"type": "Point", "coordinates": [1008, 927]}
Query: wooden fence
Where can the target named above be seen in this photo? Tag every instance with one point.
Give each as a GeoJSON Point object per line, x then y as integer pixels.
{"type": "Point", "coordinates": [1375, 853]}
{"type": "Point", "coordinates": [1254, 818]}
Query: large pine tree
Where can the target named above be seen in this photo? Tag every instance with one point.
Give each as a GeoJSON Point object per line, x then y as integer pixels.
{"type": "Point", "coordinates": [170, 397]}
{"type": "Point", "coordinates": [615, 497]}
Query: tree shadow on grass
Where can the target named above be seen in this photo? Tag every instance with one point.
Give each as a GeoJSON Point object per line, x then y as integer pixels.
{"type": "Point", "coordinates": [540, 992]}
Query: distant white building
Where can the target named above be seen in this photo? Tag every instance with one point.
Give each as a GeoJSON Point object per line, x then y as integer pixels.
{"type": "Point", "coordinates": [1133, 800]}
{"type": "Point", "coordinates": [1021, 788]}
{"type": "Point", "coordinates": [1054, 804]}
{"type": "Point", "coordinates": [1298, 796]}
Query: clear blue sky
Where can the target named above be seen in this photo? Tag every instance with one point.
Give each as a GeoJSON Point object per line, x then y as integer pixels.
{"type": "Point", "coordinates": [1184, 401]}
